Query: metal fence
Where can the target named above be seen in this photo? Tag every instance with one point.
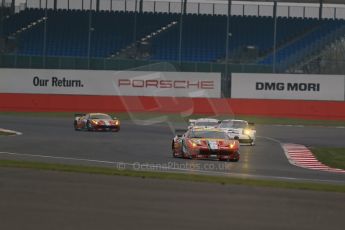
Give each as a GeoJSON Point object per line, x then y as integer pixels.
{"type": "Point", "coordinates": [38, 62]}
{"type": "Point", "coordinates": [201, 7]}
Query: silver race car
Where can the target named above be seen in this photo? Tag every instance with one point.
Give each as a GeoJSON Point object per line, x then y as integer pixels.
{"type": "Point", "coordinates": [241, 129]}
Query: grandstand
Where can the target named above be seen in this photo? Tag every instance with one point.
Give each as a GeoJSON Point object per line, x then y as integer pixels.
{"type": "Point", "coordinates": [105, 30]}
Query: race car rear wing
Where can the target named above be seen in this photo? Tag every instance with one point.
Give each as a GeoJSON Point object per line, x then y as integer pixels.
{"type": "Point", "coordinates": [191, 121]}
{"type": "Point", "coordinates": [78, 115]}
{"type": "Point", "coordinates": [180, 132]}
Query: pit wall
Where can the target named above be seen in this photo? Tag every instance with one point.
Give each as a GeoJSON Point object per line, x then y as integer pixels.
{"type": "Point", "coordinates": [275, 95]}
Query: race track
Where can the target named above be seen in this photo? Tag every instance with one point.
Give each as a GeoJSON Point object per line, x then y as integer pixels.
{"type": "Point", "coordinates": [33, 199]}
{"type": "Point", "coordinates": [142, 146]}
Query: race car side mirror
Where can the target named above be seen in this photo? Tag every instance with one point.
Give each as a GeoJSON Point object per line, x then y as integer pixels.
{"type": "Point", "coordinates": [251, 125]}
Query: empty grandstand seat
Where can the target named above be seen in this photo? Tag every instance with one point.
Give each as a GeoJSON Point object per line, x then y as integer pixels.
{"type": "Point", "coordinates": [203, 36]}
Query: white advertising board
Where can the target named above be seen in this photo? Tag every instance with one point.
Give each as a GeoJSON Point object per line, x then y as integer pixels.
{"type": "Point", "coordinates": [121, 83]}
{"type": "Point", "coordinates": [288, 86]}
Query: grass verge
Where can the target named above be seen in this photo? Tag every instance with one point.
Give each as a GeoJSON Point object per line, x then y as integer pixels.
{"type": "Point", "coordinates": [333, 157]}
{"type": "Point", "coordinates": [179, 118]}
{"type": "Point", "coordinates": [174, 176]}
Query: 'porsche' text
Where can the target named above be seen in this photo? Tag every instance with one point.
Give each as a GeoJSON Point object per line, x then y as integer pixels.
{"type": "Point", "coordinates": [168, 84]}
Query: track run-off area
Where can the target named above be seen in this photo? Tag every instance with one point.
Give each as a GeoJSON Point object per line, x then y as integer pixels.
{"type": "Point", "coordinates": [146, 145]}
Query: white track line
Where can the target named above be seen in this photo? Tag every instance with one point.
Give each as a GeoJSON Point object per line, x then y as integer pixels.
{"type": "Point", "coordinates": [301, 156]}
{"type": "Point", "coordinates": [124, 165]}
{"type": "Point", "coordinates": [10, 131]}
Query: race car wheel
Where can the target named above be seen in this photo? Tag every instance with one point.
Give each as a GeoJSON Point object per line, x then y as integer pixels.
{"type": "Point", "coordinates": [184, 156]}
{"type": "Point", "coordinates": [237, 158]}
{"type": "Point", "coordinates": [75, 126]}
{"type": "Point", "coordinates": [173, 149]}
{"type": "Point", "coordinates": [174, 154]}
{"type": "Point", "coordinates": [89, 126]}
{"type": "Point", "coordinates": [184, 150]}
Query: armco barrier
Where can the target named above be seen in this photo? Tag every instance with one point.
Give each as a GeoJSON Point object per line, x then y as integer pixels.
{"type": "Point", "coordinates": [330, 110]}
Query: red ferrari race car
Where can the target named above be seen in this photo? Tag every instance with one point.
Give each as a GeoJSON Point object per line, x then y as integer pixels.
{"type": "Point", "coordinates": [96, 122]}
{"type": "Point", "coordinates": [206, 144]}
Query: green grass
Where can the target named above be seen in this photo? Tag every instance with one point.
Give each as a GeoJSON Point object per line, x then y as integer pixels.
{"type": "Point", "coordinates": [174, 176]}
{"type": "Point", "coordinates": [179, 118]}
{"type": "Point", "coordinates": [333, 157]}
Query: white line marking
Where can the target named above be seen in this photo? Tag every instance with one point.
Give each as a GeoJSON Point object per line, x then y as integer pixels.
{"type": "Point", "coordinates": [10, 131]}
{"type": "Point", "coordinates": [172, 169]}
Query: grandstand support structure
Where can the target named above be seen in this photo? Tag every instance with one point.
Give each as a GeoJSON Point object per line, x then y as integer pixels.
{"type": "Point", "coordinates": [227, 40]}
{"type": "Point", "coordinates": [180, 33]}
{"type": "Point", "coordinates": [45, 35]}
{"type": "Point", "coordinates": [6, 9]}
{"type": "Point", "coordinates": [274, 36]}
{"type": "Point", "coordinates": [320, 9]}
{"type": "Point", "coordinates": [90, 29]}
{"type": "Point", "coordinates": [2, 18]}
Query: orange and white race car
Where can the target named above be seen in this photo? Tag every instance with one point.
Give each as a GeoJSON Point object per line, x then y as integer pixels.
{"type": "Point", "coordinates": [96, 122]}
{"type": "Point", "coordinates": [206, 143]}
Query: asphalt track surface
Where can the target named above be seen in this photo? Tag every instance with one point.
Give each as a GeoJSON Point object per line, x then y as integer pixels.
{"type": "Point", "coordinates": [148, 147]}
{"type": "Point", "coordinates": [33, 200]}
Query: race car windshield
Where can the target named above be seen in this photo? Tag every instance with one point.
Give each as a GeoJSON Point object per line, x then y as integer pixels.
{"type": "Point", "coordinates": [206, 123]}
{"type": "Point", "coordinates": [208, 134]}
{"type": "Point", "coordinates": [100, 116]}
{"type": "Point", "coordinates": [233, 124]}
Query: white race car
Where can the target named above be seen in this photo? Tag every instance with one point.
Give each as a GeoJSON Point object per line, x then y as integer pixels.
{"type": "Point", "coordinates": [203, 123]}
{"type": "Point", "coordinates": [239, 129]}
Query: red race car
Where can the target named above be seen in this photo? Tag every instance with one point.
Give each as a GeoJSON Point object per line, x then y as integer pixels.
{"type": "Point", "coordinates": [206, 144]}
{"type": "Point", "coordinates": [96, 122]}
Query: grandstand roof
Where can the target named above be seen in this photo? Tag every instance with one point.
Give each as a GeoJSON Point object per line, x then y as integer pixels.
{"type": "Point", "coordinates": [295, 1]}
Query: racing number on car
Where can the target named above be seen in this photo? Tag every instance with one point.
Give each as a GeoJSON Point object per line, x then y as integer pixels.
{"type": "Point", "coordinates": [213, 145]}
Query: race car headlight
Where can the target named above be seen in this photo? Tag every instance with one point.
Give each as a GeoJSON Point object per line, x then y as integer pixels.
{"type": "Point", "coordinates": [232, 145]}
{"type": "Point", "coordinates": [246, 131]}
{"type": "Point", "coordinates": [117, 122]}
{"type": "Point", "coordinates": [94, 122]}
{"type": "Point", "coordinates": [195, 143]}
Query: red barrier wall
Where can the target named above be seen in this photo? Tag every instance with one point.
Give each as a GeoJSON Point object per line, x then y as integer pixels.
{"type": "Point", "coordinates": [71, 103]}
